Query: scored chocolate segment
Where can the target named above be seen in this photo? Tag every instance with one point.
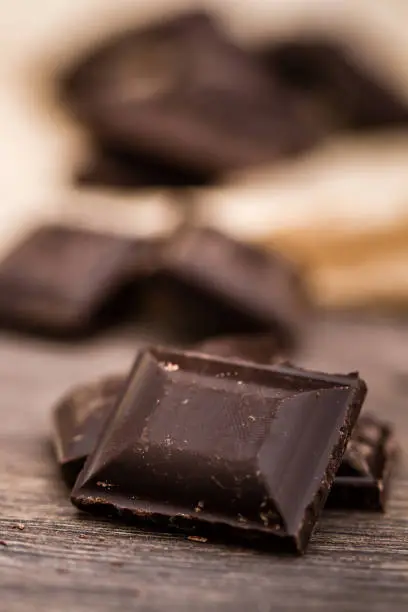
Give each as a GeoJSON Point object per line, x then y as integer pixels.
{"type": "Point", "coordinates": [225, 445]}
{"type": "Point", "coordinates": [363, 479]}
{"type": "Point", "coordinates": [221, 285]}
{"type": "Point", "coordinates": [78, 420]}
{"type": "Point", "coordinates": [58, 278]}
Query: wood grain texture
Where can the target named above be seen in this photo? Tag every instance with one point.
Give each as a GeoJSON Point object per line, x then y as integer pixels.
{"type": "Point", "coordinates": [52, 558]}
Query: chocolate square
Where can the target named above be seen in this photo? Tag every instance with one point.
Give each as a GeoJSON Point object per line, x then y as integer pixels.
{"type": "Point", "coordinates": [361, 483]}
{"type": "Point", "coordinates": [224, 446]}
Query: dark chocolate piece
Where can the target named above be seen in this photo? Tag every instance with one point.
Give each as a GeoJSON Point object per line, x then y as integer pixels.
{"type": "Point", "coordinates": [181, 92]}
{"type": "Point", "coordinates": [59, 278]}
{"type": "Point", "coordinates": [214, 284]}
{"type": "Point", "coordinates": [224, 446]}
{"type": "Point", "coordinates": [78, 417]}
{"type": "Point", "coordinates": [78, 420]}
{"type": "Point", "coordinates": [363, 479]}
{"type": "Point", "coordinates": [347, 94]}
{"type": "Point", "coordinates": [259, 348]}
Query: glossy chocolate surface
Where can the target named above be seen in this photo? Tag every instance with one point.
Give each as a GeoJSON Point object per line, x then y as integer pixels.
{"type": "Point", "coordinates": [222, 444]}
{"type": "Point", "coordinates": [75, 436]}
{"type": "Point", "coordinates": [363, 479]}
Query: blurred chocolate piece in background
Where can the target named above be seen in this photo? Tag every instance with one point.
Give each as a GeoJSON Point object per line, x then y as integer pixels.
{"type": "Point", "coordinates": [348, 94]}
{"type": "Point", "coordinates": [181, 93]}
{"type": "Point", "coordinates": [78, 420]}
{"type": "Point", "coordinates": [67, 281]}
{"type": "Point", "coordinates": [363, 479]}
{"type": "Point", "coordinates": [63, 280]}
{"type": "Point", "coordinates": [211, 284]}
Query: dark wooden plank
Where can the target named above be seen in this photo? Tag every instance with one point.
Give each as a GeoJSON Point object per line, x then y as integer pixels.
{"type": "Point", "coordinates": [54, 558]}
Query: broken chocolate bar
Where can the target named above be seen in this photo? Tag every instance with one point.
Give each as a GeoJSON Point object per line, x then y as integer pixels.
{"type": "Point", "coordinates": [227, 447]}
{"type": "Point", "coordinates": [59, 278]}
{"type": "Point", "coordinates": [78, 420]}
{"type": "Point", "coordinates": [363, 479]}
{"type": "Point", "coordinates": [180, 92]}
{"type": "Point", "coordinates": [214, 284]}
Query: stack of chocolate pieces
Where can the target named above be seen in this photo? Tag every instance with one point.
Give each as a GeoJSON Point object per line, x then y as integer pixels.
{"type": "Point", "coordinates": [218, 447]}
{"type": "Point", "coordinates": [223, 447]}
{"type": "Point", "coordinates": [179, 103]}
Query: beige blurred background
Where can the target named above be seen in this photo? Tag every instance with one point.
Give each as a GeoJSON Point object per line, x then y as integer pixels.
{"type": "Point", "coordinates": [341, 210]}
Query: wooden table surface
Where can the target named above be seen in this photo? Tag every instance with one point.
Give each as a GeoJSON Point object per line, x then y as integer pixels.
{"type": "Point", "coordinates": [53, 558]}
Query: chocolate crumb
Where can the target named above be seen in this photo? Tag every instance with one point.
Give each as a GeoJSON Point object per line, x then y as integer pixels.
{"type": "Point", "coordinates": [197, 539]}
{"type": "Point", "coordinates": [19, 526]}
